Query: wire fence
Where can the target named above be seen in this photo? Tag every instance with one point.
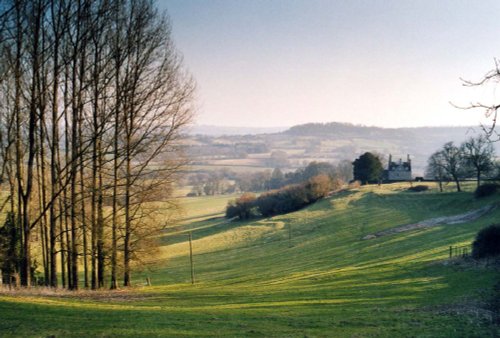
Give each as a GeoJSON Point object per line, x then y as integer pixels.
{"type": "Point", "coordinates": [460, 250]}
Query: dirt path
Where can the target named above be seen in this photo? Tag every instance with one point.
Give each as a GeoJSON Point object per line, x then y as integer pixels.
{"type": "Point", "coordinates": [445, 220]}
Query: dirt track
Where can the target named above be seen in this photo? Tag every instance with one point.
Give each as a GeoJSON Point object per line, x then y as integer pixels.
{"type": "Point", "coordinates": [445, 220]}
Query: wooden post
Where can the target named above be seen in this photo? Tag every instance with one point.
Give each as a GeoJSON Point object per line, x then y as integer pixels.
{"type": "Point", "coordinates": [451, 251]}
{"type": "Point", "coordinates": [191, 256]}
{"type": "Point", "coordinates": [289, 235]}
{"type": "Point", "coordinates": [148, 281]}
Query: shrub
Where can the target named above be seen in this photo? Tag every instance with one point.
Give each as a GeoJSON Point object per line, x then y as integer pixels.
{"type": "Point", "coordinates": [354, 184]}
{"type": "Point", "coordinates": [318, 186]}
{"type": "Point", "coordinates": [418, 188]}
{"type": "Point", "coordinates": [336, 184]}
{"type": "Point", "coordinates": [242, 207]}
{"type": "Point", "coordinates": [487, 189]}
{"type": "Point", "coordinates": [279, 201]}
{"type": "Point", "coordinates": [287, 199]}
{"type": "Point", "coordinates": [487, 242]}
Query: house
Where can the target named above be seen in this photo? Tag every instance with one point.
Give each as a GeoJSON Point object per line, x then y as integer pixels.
{"type": "Point", "coordinates": [398, 171]}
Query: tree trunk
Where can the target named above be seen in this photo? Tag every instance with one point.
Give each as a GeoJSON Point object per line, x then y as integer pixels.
{"type": "Point", "coordinates": [457, 182]}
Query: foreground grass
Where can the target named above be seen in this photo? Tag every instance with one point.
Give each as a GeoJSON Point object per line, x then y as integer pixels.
{"type": "Point", "coordinates": [327, 281]}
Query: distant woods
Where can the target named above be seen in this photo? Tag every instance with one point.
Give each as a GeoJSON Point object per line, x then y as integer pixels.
{"type": "Point", "coordinates": [227, 181]}
{"type": "Point", "coordinates": [93, 101]}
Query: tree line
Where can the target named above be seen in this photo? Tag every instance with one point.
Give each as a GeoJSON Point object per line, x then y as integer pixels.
{"type": "Point", "coordinates": [93, 103]}
{"type": "Point", "coordinates": [285, 199]}
{"type": "Point", "coordinates": [228, 182]}
{"type": "Point", "coordinates": [473, 158]}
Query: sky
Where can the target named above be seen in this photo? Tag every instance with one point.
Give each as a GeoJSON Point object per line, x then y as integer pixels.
{"type": "Point", "coordinates": [385, 63]}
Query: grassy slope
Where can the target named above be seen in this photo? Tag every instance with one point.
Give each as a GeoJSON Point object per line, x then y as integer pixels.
{"type": "Point", "coordinates": [329, 283]}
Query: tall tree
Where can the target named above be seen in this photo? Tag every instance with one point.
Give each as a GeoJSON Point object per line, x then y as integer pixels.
{"type": "Point", "coordinates": [477, 152]}
{"type": "Point", "coordinates": [93, 102]}
{"type": "Point", "coordinates": [435, 169]}
{"type": "Point", "coordinates": [448, 162]}
{"type": "Point", "coordinates": [367, 168]}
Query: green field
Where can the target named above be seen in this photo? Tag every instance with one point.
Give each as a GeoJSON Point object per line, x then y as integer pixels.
{"type": "Point", "coordinates": [251, 280]}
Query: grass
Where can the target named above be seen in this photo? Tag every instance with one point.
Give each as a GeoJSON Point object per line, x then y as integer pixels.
{"type": "Point", "coordinates": [326, 282]}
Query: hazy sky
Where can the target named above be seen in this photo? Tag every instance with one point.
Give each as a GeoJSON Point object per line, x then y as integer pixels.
{"type": "Point", "coordinates": [386, 63]}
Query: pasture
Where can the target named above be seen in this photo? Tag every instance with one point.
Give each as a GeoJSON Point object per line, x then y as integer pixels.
{"type": "Point", "coordinates": [253, 279]}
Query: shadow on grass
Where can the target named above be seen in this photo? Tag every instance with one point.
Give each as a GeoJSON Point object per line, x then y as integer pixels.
{"type": "Point", "coordinates": [205, 228]}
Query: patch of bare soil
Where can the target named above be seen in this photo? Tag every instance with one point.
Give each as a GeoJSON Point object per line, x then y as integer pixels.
{"type": "Point", "coordinates": [432, 222]}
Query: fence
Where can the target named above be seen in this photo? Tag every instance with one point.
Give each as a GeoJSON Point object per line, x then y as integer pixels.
{"type": "Point", "coordinates": [460, 250]}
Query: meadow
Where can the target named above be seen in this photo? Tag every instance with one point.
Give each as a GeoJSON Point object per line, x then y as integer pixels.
{"type": "Point", "coordinates": [305, 274]}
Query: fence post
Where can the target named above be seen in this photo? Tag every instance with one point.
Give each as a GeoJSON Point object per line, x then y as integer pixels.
{"type": "Point", "coordinates": [451, 251]}
{"type": "Point", "coordinates": [191, 256]}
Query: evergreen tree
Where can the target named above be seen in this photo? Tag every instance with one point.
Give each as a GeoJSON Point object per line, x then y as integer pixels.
{"type": "Point", "coordinates": [367, 168]}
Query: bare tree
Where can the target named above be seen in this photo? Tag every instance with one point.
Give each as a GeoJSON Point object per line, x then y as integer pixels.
{"type": "Point", "coordinates": [478, 156]}
{"type": "Point", "coordinates": [156, 108]}
{"type": "Point", "coordinates": [447, 163]}
{"type": "Point", "coordinates": [93, 102]}
{"type": "Point", "coordinates": [435, 169]}
{"type": "Point", "coordinates": [490, 109]}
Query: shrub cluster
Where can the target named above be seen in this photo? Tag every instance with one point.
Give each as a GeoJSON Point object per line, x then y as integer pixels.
{"type": "Point", "coordinates": [282, 201]}
{"type": "Point", "coordinates": [354, 184]}
{"type": "Point", "coordinates": [486, 189]}
{"type": "Point", "coordinates": [418, 188]}
{"type": "Point", "coordinates": [287, 199]}
{"type": "Point", "coordinates": [487, 242]}
{"type": "Point", "coordinates": [243, 207]}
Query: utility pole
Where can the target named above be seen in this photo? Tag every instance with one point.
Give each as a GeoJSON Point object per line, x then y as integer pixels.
{"type": "Point", "coordinates": [289, 234]}
{"type": "Point", "coordinates": [191, 256]}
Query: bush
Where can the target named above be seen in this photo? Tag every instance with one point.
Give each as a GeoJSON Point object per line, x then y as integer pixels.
{"type": "Point", "coordinates": [241, 207]}
{"type": "Point", "coordinates": [289, 198]}
{"type": "Point", "coordinates": [318, 187]}
{"type": "Point", "coordinates": [418, 188]}
{"type": "Point", "coordinates": [282, 201]}
{"type": "Point", "coordinates": [354, 184]}
{"type": "Point", "coordinates": [487, 189]}
{"type": "Point", "coordinates": [487, 243]}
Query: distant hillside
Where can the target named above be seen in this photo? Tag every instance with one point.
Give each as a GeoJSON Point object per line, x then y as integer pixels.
{"type": "Point", "coordinates": [339, 130]}
{"type": "Point", "coordinates": [219, 131]}
{"type": "Point", "coordinates": [332, 142]}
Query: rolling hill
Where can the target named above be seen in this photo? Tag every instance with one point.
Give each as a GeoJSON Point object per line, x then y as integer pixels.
{"type": "Point", "coordinates": [331, 142]}
{"type": "Point", "coordinates": [326, 281]}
